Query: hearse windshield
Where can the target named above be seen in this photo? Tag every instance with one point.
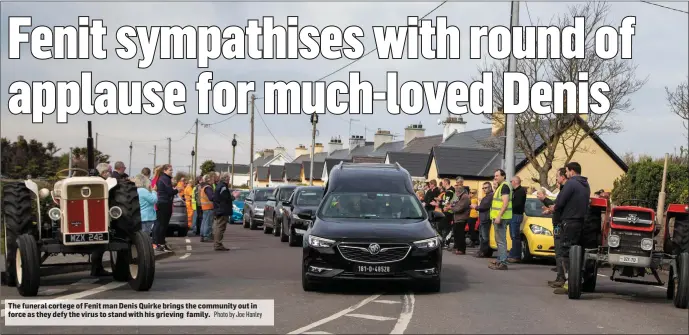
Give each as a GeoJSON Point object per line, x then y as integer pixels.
{"type": "Point", "coordinates": [371, 206]}
{"type": "Point", "coordinates": [309, 198]}
{"type": "Point", "coordinates": [534, 208]}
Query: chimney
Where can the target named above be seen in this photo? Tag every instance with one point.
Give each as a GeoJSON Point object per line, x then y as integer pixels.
{"type": "Point", "coordinates": [318, 148]}
{"type": "Point", "coordinates": [300, 150]}
{"type": "Point", "coordinates": [334, 145]}
{"type": "Point", "coordinates": [497, 122]}
{"type": "Point", "coordinates": [412, 132]}
{"type": "Point", "coordinates": [267, 152]}
{"type": "Point", "coordinates": [453, 124]}
{"type": "Point", "coordinates": [356, 141]}
{"type": "Point", "coordinates": [258, 154]}
{"type": "Point", "coordinates": [280, 150]}
{"type": "Point", "coordinates": [381, 137]}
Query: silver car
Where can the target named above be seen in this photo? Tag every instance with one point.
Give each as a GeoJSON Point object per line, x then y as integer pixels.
{"type": "Point", "coordinates": [178, 223]}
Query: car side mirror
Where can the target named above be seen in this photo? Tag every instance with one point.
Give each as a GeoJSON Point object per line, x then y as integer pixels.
{"type": "Point", "coordinates": [285, 203]}
{"type": "Point", "coordinates": [307, 215]}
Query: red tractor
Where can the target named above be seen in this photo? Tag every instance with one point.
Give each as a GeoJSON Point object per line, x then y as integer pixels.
{"type": "Point", "coordinates": [90, 214]}
{"type": "Point", "coordinates": [627, 239]}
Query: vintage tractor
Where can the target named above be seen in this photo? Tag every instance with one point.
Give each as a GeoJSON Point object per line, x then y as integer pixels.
{"type": "Point", "coordinates": [93, 214]}
{"type": "Point", "coordinates": [627, 241]}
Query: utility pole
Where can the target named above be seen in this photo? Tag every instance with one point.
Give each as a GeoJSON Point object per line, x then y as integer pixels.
{"type": "Point", "coordinates": [154, 156]}
{"type": "Point", "coordinates": [510, 118]}
{"type": "Point", "coordinates": [96, 141]}
{"type": "Point", "coordinates": [169, 151]}
{"type": "Point", "coordinates": [195, 158]}
{"type": "Point", "coordinates": [314, 121]}
{"type": "Point", "coordinates": [234, 146]}
{"type": "Point", "coordinates": [70, 160]}
{"type": "Point", "coordinates": [131, 146]}
{"type": "Point", "coordinates": [251, 150]}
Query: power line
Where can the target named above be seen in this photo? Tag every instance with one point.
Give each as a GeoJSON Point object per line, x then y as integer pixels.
{"type": "Point", "coordinates": [271, 134]}
{"type": "Point", "coordinates": [221, 121]}
{"type": "Point", "coordinates": [666, 7]}
{"type": "Point", "coordinates": [370, 52]}
{"type": "Point", "coordinates": [528, 12]}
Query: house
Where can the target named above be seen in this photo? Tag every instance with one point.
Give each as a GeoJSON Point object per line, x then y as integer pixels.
{"type": "Point", "coordinates": [293, 173]}
{"type": "Point", "coordinates": [317, 173]}
{"type": "Point", "coordinates": [268, 157]}
{"type": "Point", "coordinates": [262, 176]}
{"type": "Point", "coordinates": [329, 164]}
{"type": "Point", "coordinates": [476, 154]}
{"type": "Point", "coordinates": [414, 163]}
{"type": "Point", "coordinates": [276, 175]}
{"type": "Point", "coordinates": [241, 172]}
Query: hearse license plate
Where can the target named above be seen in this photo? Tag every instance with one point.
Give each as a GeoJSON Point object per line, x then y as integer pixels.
{"type": "Point", "coordinates": [86, 237]}
{"type": "Point", "coordinates": [629, 259]}
{"type": "Point", "coordinates": [372, 268]}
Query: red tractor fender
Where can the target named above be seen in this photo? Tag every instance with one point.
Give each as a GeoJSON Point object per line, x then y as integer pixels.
{"type": "Point", "coordinates": [673, 210]}
{"type": "Point", "coordinates": [604, 206]}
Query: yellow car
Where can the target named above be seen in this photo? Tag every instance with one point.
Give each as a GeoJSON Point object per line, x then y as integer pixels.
{"type": "Point", "coordinates": [537, 232]}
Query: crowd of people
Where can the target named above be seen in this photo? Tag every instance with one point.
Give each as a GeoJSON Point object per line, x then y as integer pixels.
{"type": "Point", "coordinates": [502, 207]}
{"type": "Point", "coordinates": [208, 203]}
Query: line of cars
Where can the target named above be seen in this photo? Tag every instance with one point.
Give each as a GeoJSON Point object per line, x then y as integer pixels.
{"type": "Point", "coordinates": [365, 224]}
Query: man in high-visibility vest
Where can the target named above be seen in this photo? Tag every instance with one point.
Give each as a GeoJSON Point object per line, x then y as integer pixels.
{"type": "Point", "coordinates": [501, 214]}
{"type": "Point", "coordinates": [195, 222]}
{"type": "Point", "coordinates": [206, 195]}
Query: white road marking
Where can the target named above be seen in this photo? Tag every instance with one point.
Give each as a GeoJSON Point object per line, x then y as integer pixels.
{"type": "Point", "coordinates": [371, 317]}
{"type": "Point", "coordinates": [336, 315]}
{"type": "Point", "coordinates": [185, 256]}
{"type": "Point", "coordinates": [188, 240]}
{"type": "Point", "coordinates": [85, 281]}
{"type": "Point", "coordinates": [390, 302]}
{"type": "Point", "coordinates": [405, 315]}
{"type": "Point", "coordinates": [2, 313]}
{"type": "Point", "coordinates": [95, 290]}
{"type": "Point", "coordinates": [188, 248]}
{"type": "Point", "coordinates": [600, 275]}
{"type": "Point", "coordinates": [319, 332]}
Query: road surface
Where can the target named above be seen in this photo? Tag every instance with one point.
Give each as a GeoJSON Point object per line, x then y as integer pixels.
{"type": "Point", "coordinates": [474, 299]}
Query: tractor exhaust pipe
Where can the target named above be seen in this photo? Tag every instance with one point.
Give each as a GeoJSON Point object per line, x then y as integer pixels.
{"type": "Point", "coordinates": [660, 212]}
{"type": "Point", "coordinates": [90, 155]}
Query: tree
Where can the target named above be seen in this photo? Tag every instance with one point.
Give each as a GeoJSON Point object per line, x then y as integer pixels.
{"type": "Point", "coordinates": [28, 157]}
{"type": "Point", "coordinates": [80, 154]}
{"type": "Point", "coordinates": [678, 101]}
{"type": "Point", "coordinates": [559, 132]}
{"type": "Point", "coordinates": [207, 166]}
{"type": "Point", "coordinates": [643, 180]}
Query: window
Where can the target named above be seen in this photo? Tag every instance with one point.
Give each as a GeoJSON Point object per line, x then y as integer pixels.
{"type": "Point", "coordinates": [309, 198]}
{"type": "Point", "coordinates": [262, 195]}
{"type": "Point", "coordinates": [242, 195]}
{"type": "Point", "coordinates": [285, 193]}
{"type": "Point", "coordinates": [534, 208]}
{"type": "Point", "coordinates": [371, 205]}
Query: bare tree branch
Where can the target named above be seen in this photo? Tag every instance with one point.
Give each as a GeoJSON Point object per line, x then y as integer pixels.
{"type": "Point", "coordinates": [678, 101]}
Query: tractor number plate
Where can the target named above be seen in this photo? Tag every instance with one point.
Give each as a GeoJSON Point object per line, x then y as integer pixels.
{"type": "Point", "coordinates": [86, 237]}
{"type": "Point", "coordinates": [628, 259]}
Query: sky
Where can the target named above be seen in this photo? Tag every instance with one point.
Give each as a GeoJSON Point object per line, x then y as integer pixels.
{"type": "Point", "coordinates": [660, 51]}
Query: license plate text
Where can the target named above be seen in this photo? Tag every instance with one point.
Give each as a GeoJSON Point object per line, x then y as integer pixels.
{"type": "Point", "coordinates": [628, 259]}
{"type": "Point", "coordinates": [86, 237]}
{"type": "Point", "coordinates": [373, 268]}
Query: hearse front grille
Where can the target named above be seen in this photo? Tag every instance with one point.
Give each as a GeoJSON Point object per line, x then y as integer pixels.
{"type": "Point", "coordinates": [630, 243]}
{"type": "Point", "coordinates": [361, 253]}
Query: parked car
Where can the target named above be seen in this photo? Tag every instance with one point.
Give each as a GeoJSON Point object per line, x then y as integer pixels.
{"type": "Point", "coordinates": [238, 207]}
{"type": "Point", "coordinates": [254, 205]}
{"type": "Point", "coordinates": [304, 199]}
{"type": "Point", "coordinates": [179, 224]}
{"type": "Point", "coordinates": [537, 232]}
{"type": "Point", "coordinates": [371, 226]}
{"type": "Point", "coordinates": [273, 209]}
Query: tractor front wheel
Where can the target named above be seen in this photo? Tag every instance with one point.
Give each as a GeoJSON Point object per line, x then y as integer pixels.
{"type": "Point", "coordinates": [575, 269]}
{"type": "Point", "coordinates": [27, 266]}
{"type": "Point", "coordinates": [681, 298]}
{"type": "Point", "coordinates": [17, 218]}
{"type": "Point", "coordinates": [141, 261]}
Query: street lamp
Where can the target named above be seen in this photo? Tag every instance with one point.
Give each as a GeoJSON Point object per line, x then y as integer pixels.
{"type": "Point", "coordinates": [314, 121]}
{"type": "Point", "coordinates": [192, 159]}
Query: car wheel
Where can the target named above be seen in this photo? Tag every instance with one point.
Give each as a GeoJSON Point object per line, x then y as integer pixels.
{"type": "Point", "coordinates": [245, 223]}
{"type": "Point", "coordinates": [266, 229]}
{"type": "Point", "coordinates": [252, 224]}
{"type": "Point", "coordinates": [283, 236]}
{"type": "Point", "coordinates": [526, 252]}
{"type": "Point", "coordinates": [306, 284]}
{"type": "Point", "coordinates": [276, 227]}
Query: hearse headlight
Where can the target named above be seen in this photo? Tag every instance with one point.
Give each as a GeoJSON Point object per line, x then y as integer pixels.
{"type": "Point", "coordinates": [429, 243]}
{"type": "Point", "coordinates": [115, 212]}
{"type": "Point", "coordinates": [54, 214]}
{"type": "Point", "coordinates": [319, 242]}
{"type": "Point", "coordinates": [614, 241]}
{"type": "Point", "coordinates": [646, 244]}
{"type": "Point", "coordinates": [540, 230]}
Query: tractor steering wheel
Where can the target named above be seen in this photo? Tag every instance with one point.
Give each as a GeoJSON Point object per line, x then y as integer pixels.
{"type": "Point", "coordinates": [59, 175]}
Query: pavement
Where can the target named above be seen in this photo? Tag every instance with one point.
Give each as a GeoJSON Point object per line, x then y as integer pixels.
{"type": "Point", "coordinates": [473, 299]}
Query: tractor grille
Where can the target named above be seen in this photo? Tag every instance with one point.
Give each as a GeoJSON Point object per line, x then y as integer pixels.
{"type": "Point", "coordinates": [630, 243]}
{"type": "Point", "coordinates": [359, 252]}
{"type": "Point", "coordinates": [624, 217]}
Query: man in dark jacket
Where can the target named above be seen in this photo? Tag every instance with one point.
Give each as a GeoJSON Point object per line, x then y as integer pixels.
{"type": "Point", "coordinates": [548, 207]}
{"type": "Point", "coordinates": [119, 171]}
{"type": "Point", "coordinates": [432, 193]}
{"type": "Point", "coordinates": [518, 204]}
{"type": "Point", "coordinates": [446, 223]}
{"type": "Point", "coordinates": [461, 209]}
{"type": "Point", "coordinates": [222, 209]}
{"type": "Point", "coordinates": [483, 209]}
{"type": "Point", "coordinates": [571, 205]}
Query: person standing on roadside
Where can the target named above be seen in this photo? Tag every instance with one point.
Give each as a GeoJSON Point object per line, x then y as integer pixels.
{"type": "Point", "coordinates": [548, 206]}
{"type": "Point", "coordinates": [473, 219]}
{"type": "Point", "coordinates": [166, 193]}
{"type": "Point", "coordinates": [483, 209]}
{"type": "Point", "coordinates": [222, 210]}
{"type": "Point", "coordinates": [501, 214]}
{"type": "Point", "coordinates": [446, 223]}
{"type": "Point", "coordinates": [188, 197]}
{"type": "Point", "coordinates": [572, 204]}
{"type": "Point", "coordinates": [147, 200]}
{"type": "Point", "coordinates": [119, 171]}
{"type": "Point", "coordinates": [432, 193]}
{"type": "Point", "coordinates": [206, 196]}
{"type": "Point", "coordinates": [196, 207]}
{"type": "Point", "coordinates": [460, 209]}
{"type": "Point", "coordinates": [146, 172]}
{"type": "Point", "coordinates": [518, 204]}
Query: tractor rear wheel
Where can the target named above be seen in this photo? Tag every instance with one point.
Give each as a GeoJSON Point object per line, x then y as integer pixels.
{"type": "Point", "coordinates": [680, 234]}
{"type": "Point", "coordinates": [27, 266]}
{"type": "Point", "coordinates": [126, 197]}
{"type": "Point", "coordinates": [17, 219]}
{"type": "Point", "coordinates": [575, 269]}
{"type": "Point", "coordinates": [590, 276]}
{"type": "Point", "coordinates": [141, 261]}
{"type": "Point", "coordinates": [681, 298]}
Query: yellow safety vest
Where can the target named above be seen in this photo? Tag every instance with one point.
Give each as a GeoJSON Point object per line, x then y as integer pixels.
{"type": "Point", "coordinates": [496, 205]}
{"type": "Point", "coordinates": [193, 198]}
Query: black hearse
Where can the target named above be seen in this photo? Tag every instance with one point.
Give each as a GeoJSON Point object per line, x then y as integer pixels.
{"type": "Point", "coordinates": [371, 226]}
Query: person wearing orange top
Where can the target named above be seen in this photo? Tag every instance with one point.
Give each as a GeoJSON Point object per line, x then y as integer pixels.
{"type": "Point", "coordinates": [181, 185]}
{"type": "Point", "coordinates": [188, 192]}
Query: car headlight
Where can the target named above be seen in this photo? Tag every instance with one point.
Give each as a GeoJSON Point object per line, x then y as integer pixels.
{"type": "Point", "coordinates": [646, 244]}
{"type": "Point", "coordinates": [281, 211]}
{"type": "Point", "coordinates": [319, 242]}
{"type": "Point", "coordinates": [428, 243]}
{"type": "Point", "coordinates": [540, 230]}
{"type": "Point", "coordinates": [614, 241]}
